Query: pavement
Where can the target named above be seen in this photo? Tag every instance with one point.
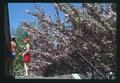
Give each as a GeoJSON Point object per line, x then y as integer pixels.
{"type": "Point", "coordinates": [68, 76]}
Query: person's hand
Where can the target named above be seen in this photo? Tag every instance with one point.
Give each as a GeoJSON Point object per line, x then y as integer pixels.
{"type": "Point", "coordinates": [23, 54]}
{"type": "Point", "coordinates": [20, 53]}
{"type": "Point", "coordinates": [21, 46]}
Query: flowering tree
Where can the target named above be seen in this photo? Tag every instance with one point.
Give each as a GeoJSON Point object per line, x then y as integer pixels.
{"type": "Point", "coordinates": [89, 29]}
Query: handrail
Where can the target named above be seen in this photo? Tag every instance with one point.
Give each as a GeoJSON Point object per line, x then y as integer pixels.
{"type": "Point", "coordinates": [91, 65]}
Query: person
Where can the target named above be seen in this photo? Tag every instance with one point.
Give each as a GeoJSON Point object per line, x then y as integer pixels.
{"type": "Point", "coordinates": [13, 46]}
{"type": "Point", "coordinates": [11, 52]}
{"type": "Point", "coordinates": [26, 55]}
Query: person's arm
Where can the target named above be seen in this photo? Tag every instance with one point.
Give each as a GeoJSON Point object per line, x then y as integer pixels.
{"type": "Point", "coordinates": [27, 49]}
{"type": "Point", "coordinates": [20, 48]}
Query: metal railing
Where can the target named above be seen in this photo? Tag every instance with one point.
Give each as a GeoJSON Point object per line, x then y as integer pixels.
{"type": "Point", "coordinates": [95, 73]}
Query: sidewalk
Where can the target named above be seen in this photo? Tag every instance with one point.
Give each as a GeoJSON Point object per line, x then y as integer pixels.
{"type": "Point", "coordinates": [68, 76]}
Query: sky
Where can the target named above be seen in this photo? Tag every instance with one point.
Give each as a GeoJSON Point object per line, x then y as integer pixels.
{"type": "Point", "coordinates": [17, 12]}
